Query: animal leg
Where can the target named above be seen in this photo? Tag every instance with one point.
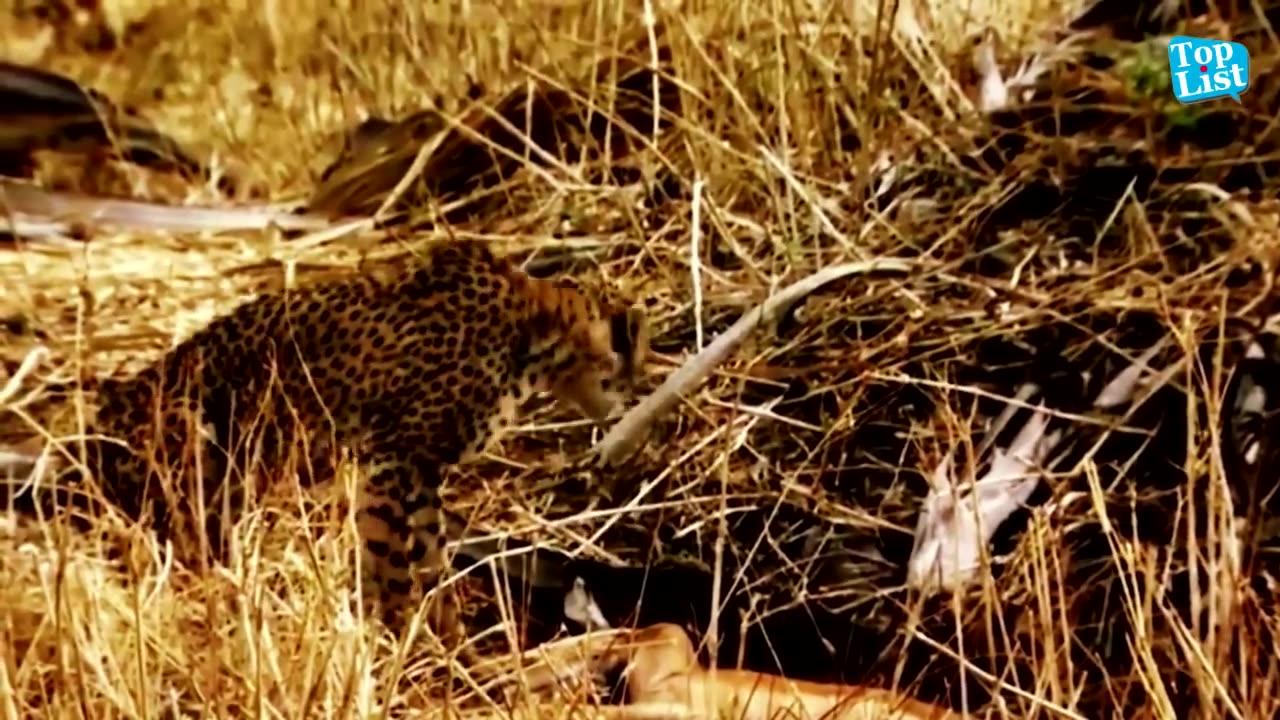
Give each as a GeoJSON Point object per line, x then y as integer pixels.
{"type": "Point", "coordinates": [401, 528]}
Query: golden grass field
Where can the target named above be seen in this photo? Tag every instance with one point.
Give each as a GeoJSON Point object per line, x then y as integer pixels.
{"type": "Point", "coordinates": [789, 112]}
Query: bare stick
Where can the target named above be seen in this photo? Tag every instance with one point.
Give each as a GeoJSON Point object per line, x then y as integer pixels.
{"type": "Point", "coordinates": [34, 210]}
{"type": "Point", "coordinates": [624, 437]}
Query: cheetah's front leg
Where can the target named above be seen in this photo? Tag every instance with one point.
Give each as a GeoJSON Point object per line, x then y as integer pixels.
{"type": "Point", "coordinates": [400, 525]}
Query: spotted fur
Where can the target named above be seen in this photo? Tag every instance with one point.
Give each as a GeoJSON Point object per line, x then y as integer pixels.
{"type": "Point", "coordinates": [415, 373]}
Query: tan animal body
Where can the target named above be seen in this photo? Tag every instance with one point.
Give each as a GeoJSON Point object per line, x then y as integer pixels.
{"type": "Point", "coordinates": [665, 680]}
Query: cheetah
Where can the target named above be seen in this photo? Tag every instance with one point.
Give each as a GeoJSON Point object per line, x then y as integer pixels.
{"type": "Point", "coordinates": [413, 372]}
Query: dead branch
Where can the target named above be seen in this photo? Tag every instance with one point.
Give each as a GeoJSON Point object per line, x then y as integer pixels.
{"type": "Point", "coordinates": [625, 436]}
{"type": "Point", "coordinates": [27, 208]}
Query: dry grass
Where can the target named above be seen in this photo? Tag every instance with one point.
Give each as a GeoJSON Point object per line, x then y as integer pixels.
{"type": "Point", "coordinates": [830, 419]}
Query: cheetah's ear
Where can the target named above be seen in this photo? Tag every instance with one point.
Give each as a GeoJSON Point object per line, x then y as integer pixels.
{"type": "Point", "coordinates": [629, 336]}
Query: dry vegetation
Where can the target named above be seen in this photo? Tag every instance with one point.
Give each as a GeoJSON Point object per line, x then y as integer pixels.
{"type": "Point", "coordinates": [1031, 259]}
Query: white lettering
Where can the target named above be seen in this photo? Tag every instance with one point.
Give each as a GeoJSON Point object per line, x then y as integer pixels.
{"type": "Point", "coordinates": [1181, 49]}
{"type": "Point", "coordinates": [1202, 55]}
{"type": "Point", "coordinates": [1181, 78]}
{"type": "Point", "coordinates": [1237, 74]}
{"type": "Point", "coordinates": [1223, 52]}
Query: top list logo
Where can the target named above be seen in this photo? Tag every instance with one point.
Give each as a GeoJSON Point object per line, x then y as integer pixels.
{"type": "Point", "coordinates": [1207, 69]}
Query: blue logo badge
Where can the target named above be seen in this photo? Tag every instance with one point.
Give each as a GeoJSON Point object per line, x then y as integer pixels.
{"type": "Point", "coordinates": [1207, 69]}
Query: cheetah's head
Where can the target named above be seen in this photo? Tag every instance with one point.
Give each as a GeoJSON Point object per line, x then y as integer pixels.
{"type": "Point", "coordinates": [588, 351]}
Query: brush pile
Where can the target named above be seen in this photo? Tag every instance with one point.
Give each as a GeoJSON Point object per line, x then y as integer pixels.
{"type": "Point", "coordinates": [700, 165]}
